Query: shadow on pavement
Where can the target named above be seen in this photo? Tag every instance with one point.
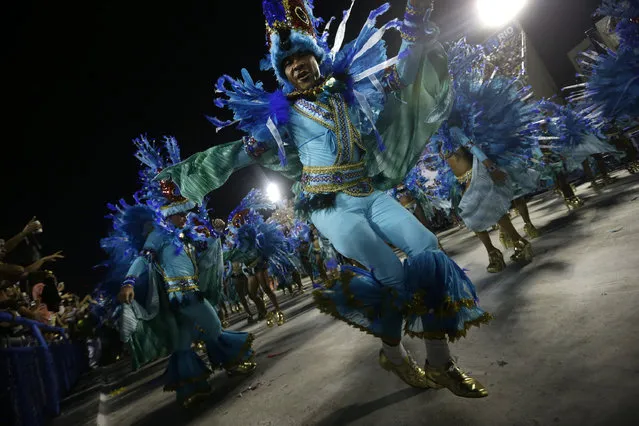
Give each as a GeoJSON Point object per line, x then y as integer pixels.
{"type": "Point", "coordinates": [225, 388]}
{"type": "Point", "coordinates": [172, 413]}
{"type": "Point", "coordinates": [354, 412]}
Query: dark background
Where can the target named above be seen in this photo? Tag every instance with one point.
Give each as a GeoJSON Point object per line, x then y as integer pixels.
{"type": "Point", "coordinates": [83, 79]}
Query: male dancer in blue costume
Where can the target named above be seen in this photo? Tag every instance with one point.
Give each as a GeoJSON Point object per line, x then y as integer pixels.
{"type": "Point", "coordinates": [334, 105]}
{"type": "Point", "coordinates": [176, 276]}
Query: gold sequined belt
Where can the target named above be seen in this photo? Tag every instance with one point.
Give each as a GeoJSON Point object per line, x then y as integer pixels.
{"type": "Point", "coordinates": [349, 178]}
{"type": "Point", "coordinates": [182, 284]}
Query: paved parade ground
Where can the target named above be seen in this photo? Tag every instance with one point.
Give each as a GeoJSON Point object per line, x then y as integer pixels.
{"type": "Point", "coordinates": [563, 348]}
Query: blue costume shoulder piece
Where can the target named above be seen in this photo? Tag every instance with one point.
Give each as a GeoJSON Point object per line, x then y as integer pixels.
{"type": "Point", "coordinates": [610, 91]}
{"type": "Point", "coordinates": [358, 66]}
{"type": "Point", "coordinates": [491, 110]}
{"type": "Point", "coordinates": [627, 14]}
{"type": "Point", "coordinates": [567, 125]}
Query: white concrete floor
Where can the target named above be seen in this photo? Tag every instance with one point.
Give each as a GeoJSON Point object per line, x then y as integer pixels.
{"type": "Point", "coordinates": [563, 348]}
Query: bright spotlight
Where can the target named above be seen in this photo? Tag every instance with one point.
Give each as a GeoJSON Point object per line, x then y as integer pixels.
{"type": "Point", "coordinates": [273, 192]}
{"type": "Point", "coordinates": [496, 13]}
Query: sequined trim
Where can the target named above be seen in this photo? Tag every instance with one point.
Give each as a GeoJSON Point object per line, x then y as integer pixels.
{"type": "Point", "coordinates": [177, 203]}
{"type": "Point", "coordinates": [328, 179]}
{"type": "Point", "coordinates": [129, 281]}
{"type": "Point", "coordinates": [451, 335]}
{"type": "Point", "coordinates": [406, 36]}
{"type": "Point", "coordinates": [362, 189]}
{"type": "Point", "coordinates": [346, 133]}
{"type": "Point", "coordinates": [412, 10]}
{"type": "Point", "coordinates": [317, 112]}
{"type": "Point", "coordinates": [392, 80]}
{"type": "Point", "coordinates": [415, 307]}
{"type": "Point", "coordinates": [335, 117]}
{"type": "Point", "coordinates": [449, 308]}
{"type": "Point", "coordinates": [465, 178]}
{"type": "Point", "coordinates": [181, 284]}
{"type": "Point", "coordinates": [240, 357]}
{"type": "Point", "coordinates": [253, 147]}
{"type": "Point", "coordinates": [327, 306]}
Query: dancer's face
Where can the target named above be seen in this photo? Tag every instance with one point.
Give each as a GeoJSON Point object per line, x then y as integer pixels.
{"type": "Point", "coordinates": [302, 70]}
{"type": "Point", "coordinates": [178, 220]}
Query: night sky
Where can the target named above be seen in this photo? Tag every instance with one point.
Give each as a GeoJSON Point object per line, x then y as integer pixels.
{"type": "Point", "coordinates": [84, 79]}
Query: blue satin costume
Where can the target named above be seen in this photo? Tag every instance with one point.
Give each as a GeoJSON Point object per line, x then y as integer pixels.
{"type": "Point", "coordinates": [428, 292]}
{"type": "Point", "coordinates": [182, 274]}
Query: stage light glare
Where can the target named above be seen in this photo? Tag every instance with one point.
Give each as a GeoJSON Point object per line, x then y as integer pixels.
{"type": "Point", "coordinates": [497, 13]}
{"type": "Point", "coordinates": [273, 192]}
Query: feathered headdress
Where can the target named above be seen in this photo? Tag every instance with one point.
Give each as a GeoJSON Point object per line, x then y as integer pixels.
{"type": "Point", "coordinates": [254, 201]}
{"type": "Point", "coordinates": [153, 162]}
{"type": "Point", "coordinates": [291, 28]}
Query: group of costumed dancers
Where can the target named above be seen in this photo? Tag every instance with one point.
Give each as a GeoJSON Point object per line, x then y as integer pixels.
{"type": "Point", "coordinates": [439, 129]}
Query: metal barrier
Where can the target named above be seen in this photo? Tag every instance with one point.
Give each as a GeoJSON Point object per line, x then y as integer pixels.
{"type": "Point", "coordinates": [36, 375]}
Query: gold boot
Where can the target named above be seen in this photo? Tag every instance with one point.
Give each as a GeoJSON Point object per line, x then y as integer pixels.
{"type": "Point", "coordinates": [270, 319]}
{"type": "Point", "coordinates": [225, 323]}
{"type": "Point", "coordinates": [410, 373]}
{"type": "Point", "coordinates": [280, 317]}
{"type": "Point", "coordinates": [192, 400]}
{"type": "Point", "coordinates": [495, 262]}
{"type": "Point", "coordinates": [531, 231]}
{"type": "Point", "coordinates": [456, 381]}
{"type": "Point", "coordinates": [245, 368]}
{"type": "Point", "coordinates": [505, 240]}
{"type": "Point", "coordinates": [574, 202]}
{"type": "Point", "coordinates": [523, 252]}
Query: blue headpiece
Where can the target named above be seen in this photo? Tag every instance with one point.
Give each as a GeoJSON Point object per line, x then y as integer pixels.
{"type": "Point", "coordinates": [290, 28]}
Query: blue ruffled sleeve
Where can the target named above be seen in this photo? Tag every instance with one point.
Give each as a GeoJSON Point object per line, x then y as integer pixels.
{"type": "Point", "coordinates": [141, 263]}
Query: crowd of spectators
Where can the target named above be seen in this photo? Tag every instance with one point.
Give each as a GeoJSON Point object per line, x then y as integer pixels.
{"type": "Point", "coordinates": [30, 291]}
{"type": "Point", "coordinates": [46, 331]}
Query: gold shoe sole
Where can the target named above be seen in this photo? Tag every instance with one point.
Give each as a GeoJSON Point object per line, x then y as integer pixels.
{"type": "Point", "coordinates": [270, 319]}
{"type": "Point", "coordinates": [194, 399]}
{"type": "Point", "coordinates": [246, 369]}
{"type": "Point", "coordinates": [454, 386]}
{"type": "Point", "coordinates": [387, 365]}
{"type": "Point", "coordinates": [524, 256]}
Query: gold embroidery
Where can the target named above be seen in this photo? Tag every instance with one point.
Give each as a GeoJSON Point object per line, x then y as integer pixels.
{"type": "Point", "coordinates": [315, 118]}
{"type": "Point", "coordinates": [333, 187]}
{"type": "Point", "coordinates": [177, 203]}
{"type": "Point", "coordinates": [184, 278]}
{"type": "Point", "coordinates": [334, 168]}
{"type": "Point", "coordinates": [183, 289]}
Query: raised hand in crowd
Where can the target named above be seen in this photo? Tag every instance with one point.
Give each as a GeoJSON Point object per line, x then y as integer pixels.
{"type": "Point", "coordinates": [30, 228]}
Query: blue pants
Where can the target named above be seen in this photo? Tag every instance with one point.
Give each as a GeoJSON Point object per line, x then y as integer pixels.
{"type": "Point", "coordinates": [360, 228]}
{"type": "Point", "coordinates": [199, 318]}
{"type": "Point", "coordinates": [186, 372]}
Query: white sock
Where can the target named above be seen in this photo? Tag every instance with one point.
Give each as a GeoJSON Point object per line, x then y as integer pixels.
{"type": "Point", "coordinates": [396, 354]}
{"type": "Point", "coordinates": [437, 352]}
